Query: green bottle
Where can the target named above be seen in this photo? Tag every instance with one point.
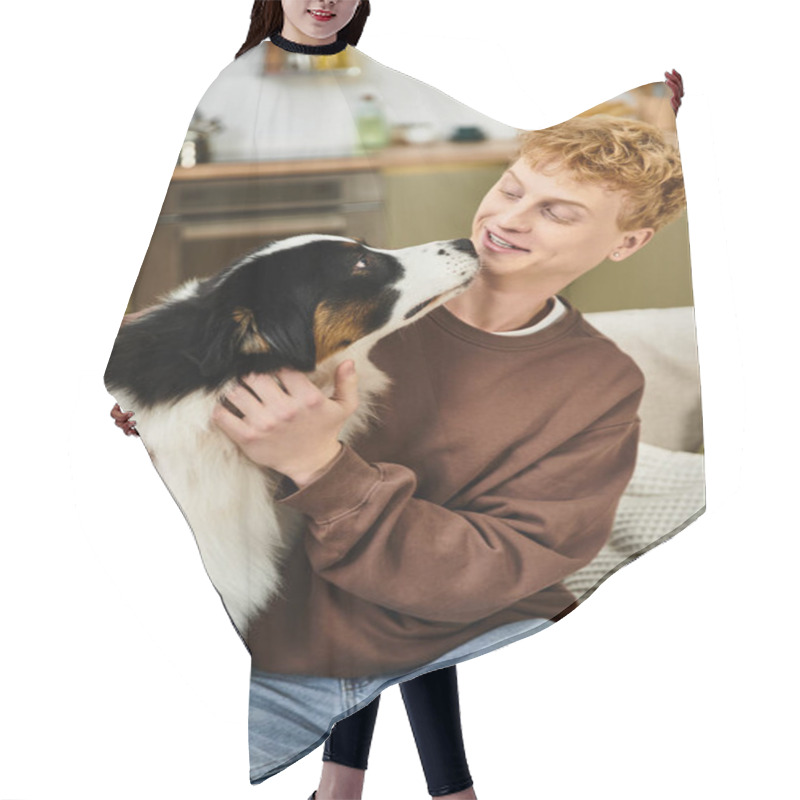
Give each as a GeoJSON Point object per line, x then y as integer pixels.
{"type": "Point", "coordinates": [373, 130]}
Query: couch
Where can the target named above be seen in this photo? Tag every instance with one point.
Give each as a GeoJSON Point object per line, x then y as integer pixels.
{"type": "Point", "coordinates": [667, 490]}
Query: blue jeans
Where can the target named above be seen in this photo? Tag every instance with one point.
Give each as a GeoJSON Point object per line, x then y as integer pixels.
{"type": "Point", "coordinates": [291, 715]}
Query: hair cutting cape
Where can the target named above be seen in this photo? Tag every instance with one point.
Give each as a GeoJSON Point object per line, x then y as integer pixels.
{"type": "Point", "coordinates": [497, 480]}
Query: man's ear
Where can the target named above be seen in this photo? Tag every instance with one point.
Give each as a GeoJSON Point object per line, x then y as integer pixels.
{"type": "Point", "coordinates": [630, 242]}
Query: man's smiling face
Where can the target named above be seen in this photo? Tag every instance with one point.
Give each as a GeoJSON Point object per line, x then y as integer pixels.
{"type": "Point", "coordinates": [545, 223]}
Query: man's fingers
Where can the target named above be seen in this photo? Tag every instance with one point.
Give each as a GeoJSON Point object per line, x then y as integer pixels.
{"type": "Point", "coordinates": [229, 421]}
{"type": "Point", "coordinates": [674, 77]}
{"type": "Point", "coordinates": [674, 82]}
{"type": "Point", "coordinates": [122, 419]}
{"type": "Point", "coordinates": [298, 386]}
{"type": "Point", "coordinates": [346, 386]}
{"type": "Point", "coordinates": [251, 393]}
{"type": "Point", "coordinates": [227, 404]}
{"type": "Point", "coordinates": [257, 399]}
{"type": "Point", "coordinates": [248, 388]}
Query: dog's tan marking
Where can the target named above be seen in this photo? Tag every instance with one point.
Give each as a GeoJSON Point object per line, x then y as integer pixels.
{"type": "Point", "coordinates": [250, 340]}
{"type": "Point", "coordinates": [335, 329]}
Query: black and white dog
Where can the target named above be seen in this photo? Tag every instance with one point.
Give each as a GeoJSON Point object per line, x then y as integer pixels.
{"type": "Point", "coordinates": [308, 303]}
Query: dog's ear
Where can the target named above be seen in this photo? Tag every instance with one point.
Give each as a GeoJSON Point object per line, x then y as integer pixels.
{"type": "Point", "coordinates": [263, 318]}
{"type": "Point", "coordinates": [217, 344]}
{"type": "Point", "coordinates": [289, 332]}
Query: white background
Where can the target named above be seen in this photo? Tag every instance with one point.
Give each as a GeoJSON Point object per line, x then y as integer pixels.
{"type": "Point", "coordinates": [121, 676]}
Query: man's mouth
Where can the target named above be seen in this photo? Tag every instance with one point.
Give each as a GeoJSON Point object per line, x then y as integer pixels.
{"type": "Point", "coordinates": [322, 16]}
{"type": "Point", "coordinates": [502, 243]}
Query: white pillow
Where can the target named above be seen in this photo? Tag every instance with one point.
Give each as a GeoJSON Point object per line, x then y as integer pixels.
{"type": "Point", "coordinates": [665, 494]}
{"type": "Point", "coordinates": [662, 342]}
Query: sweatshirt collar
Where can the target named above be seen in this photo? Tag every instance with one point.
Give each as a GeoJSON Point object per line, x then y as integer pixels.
{"type": "Point", "coordinates": [451, 323]}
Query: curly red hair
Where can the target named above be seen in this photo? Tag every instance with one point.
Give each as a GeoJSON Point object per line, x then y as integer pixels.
{"type": "Point", "coordinates": [620, 154]}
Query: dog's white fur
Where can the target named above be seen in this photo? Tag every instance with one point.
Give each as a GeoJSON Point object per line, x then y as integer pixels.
{"type": "Point", "coordinates": [226, 498]}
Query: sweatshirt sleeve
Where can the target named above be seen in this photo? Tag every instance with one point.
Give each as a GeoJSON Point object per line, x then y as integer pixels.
{"type": "Point", "coordinates": [370, 536]}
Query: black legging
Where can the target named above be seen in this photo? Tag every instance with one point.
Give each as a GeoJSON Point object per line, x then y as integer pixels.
{"type": "Point", "coordinates": [432, 706]}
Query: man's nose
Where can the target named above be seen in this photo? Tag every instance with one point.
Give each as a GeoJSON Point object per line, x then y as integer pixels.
{"type": "Point", "coordinates": [515, 219]}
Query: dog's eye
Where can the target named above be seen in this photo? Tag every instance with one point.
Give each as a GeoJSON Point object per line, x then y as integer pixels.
{"type": "Point", "coordinates": [361, 266]}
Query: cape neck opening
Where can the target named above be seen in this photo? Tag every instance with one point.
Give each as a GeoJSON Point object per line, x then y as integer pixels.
{"type": "Point", "coordinates": [308, 49]}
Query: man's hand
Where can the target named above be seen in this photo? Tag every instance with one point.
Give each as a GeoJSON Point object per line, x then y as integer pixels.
{"type": "Point", "coordinates": [675, 82]}
{"type": "Point", "coordinates": [284, 422]}
{"type": "Point", "coordinates": [122, 419]}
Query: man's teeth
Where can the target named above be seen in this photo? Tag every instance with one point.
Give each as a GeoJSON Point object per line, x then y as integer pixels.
{"type": "Point", "coordinates": [501, 242]}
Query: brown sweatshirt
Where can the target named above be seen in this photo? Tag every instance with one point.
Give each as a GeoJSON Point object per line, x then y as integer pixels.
{"type": "Point", "coordinates": [494, 472]}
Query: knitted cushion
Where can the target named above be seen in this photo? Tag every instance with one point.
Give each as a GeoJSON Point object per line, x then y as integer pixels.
{"type": "Point", "coordinates": [666, 493]}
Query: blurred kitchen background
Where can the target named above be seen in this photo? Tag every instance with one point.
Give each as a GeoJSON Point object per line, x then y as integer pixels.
{"type": "Point", "coordinates": [284, 144]}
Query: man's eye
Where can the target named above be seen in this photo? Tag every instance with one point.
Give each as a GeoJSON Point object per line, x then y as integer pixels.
{"type": "Point", "coordinates": [548, 212]}
{"type": "Point", "coordinates": [509, 194]}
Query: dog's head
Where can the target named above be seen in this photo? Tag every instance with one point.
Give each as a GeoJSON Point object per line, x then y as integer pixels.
{"type": "Point", "coordinates": [299, 301]}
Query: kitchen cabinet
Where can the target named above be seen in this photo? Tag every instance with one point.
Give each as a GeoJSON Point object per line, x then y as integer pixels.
{"type": "Point", "coordinates": [427, 203]}
{"type": "Point", "coordinates": [206, 224]}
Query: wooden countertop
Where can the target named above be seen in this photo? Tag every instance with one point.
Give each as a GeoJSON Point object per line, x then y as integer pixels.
{"type": "Point", "coordinates": [394, 158]}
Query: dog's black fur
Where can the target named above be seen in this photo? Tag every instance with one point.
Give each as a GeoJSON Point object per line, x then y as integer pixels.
{"type": "Point", "coordinates": [193, 342]}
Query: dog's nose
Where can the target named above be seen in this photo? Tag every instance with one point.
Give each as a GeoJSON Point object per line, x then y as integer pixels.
{"type": "Point", "coordinates": [465, 246]}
